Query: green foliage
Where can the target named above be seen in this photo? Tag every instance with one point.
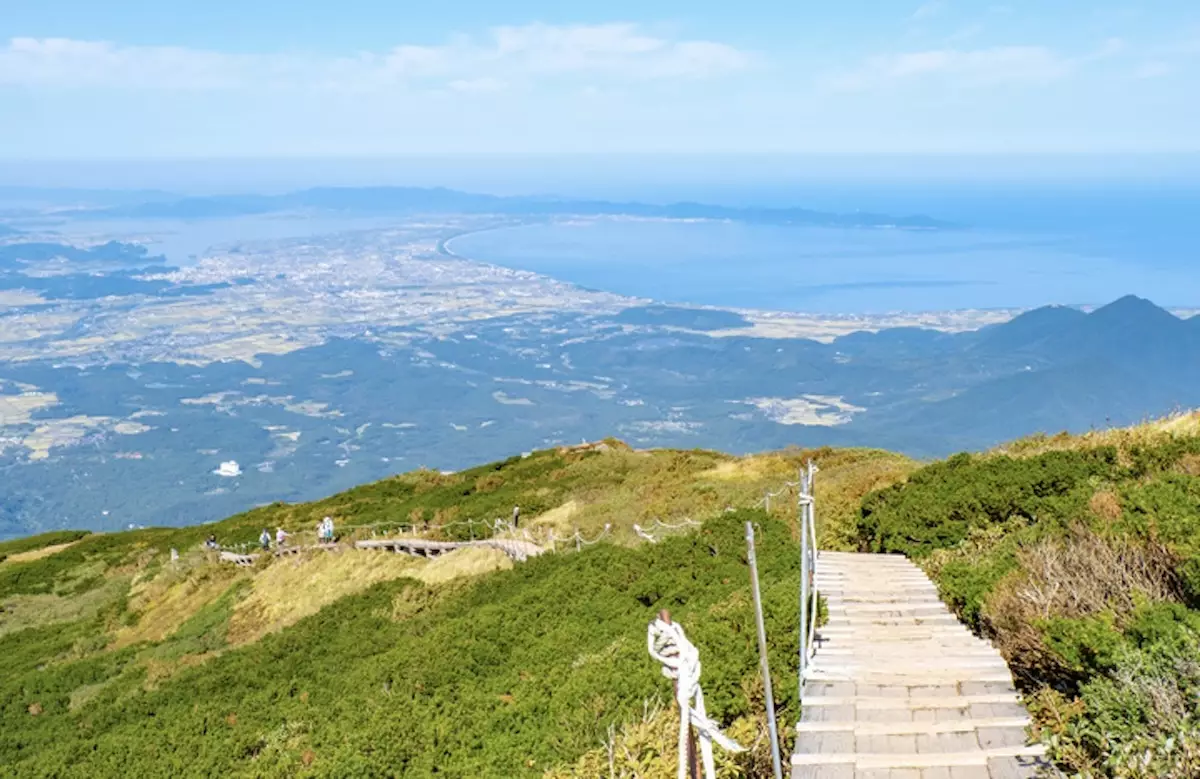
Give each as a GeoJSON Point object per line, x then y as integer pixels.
{"type": "Point", "coordinates": [508, 675]}
{"type": "Point", "coordinates": [964, 584]}
{"type": "Point", "coordinates": [1113, 621]}
{"type": "Point", "coordinates": [942, 502]}
{"type": "Point", "coordinates": [1088, 645]}
{"type": "Point", "coordinates": [71, 571]}
{"type": "Point", "coordinates": [1142, 718]}
{"type": "Point", "coordinates": [523, 670]}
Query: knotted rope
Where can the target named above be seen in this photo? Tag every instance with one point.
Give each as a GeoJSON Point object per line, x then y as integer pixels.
{"type": "Point", "coordinates": [681, 662]}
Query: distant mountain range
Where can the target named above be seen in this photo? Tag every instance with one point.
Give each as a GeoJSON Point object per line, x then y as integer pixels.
{"type": "Point", "coordinates": [1050, 369]}
{"type": "Point", "coordinates": [410, 200]}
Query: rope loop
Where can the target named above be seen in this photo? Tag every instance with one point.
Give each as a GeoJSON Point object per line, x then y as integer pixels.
{"type": "Point", "coordinates": [680, 661]}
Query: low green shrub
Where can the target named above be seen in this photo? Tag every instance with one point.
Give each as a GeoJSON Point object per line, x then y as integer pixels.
{"type": "Point", "coordinates": [508, 676]}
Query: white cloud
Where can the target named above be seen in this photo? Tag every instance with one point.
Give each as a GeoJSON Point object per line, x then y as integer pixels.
{"type": "Point", "coordinates": [975, 67]}
{"type": "Point", "coordinates": [464, 63]}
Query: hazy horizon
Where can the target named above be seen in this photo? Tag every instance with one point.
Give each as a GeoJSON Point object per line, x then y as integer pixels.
{"type": "Point", "coordinates": [604, 175]}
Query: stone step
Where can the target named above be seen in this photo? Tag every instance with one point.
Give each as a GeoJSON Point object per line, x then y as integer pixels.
{"type": "Point", "coordinates": [915, 620]}
{"type": "Point", "coordinates": [912, 701]}
{"type": "Point", "coordinates": [843, 607]}
{"type": "Point", "coordinates": [914, 592]}
{"type": "Point", "coordinates": [840, 649]}
{"type": "Point", "coordinates": [864, 676]}
{"type": "Point", "coordinates": [914, 728]}
{"type": "Point", "coordinates": [867, 760]}
{"type": "Point", "coordinates": [868, 635]}
{"type": "Point", "coordinates": [894, 639]}
{"type": "Point", "coordinates": [899, 687]}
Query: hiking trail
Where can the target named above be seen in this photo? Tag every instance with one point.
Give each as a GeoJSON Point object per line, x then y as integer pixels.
{"type": "Point", "coordinates": [518, 550]}
{"type": "Point", "coordinates": [898, 688]}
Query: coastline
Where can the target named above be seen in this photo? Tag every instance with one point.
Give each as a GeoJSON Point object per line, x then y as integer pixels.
{"type": "Point", "coordinates": [790, 323]}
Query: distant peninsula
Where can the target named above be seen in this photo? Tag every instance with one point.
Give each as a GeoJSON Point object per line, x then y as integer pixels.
{"type": "Point", "coordinates": [382, 201]}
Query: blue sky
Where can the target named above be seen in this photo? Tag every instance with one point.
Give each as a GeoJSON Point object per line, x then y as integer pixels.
{"type": "Point", "coordinates": [123, 78]}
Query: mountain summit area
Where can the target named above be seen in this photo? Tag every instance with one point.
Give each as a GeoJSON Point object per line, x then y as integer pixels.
{"type": "Point", "coordinates": [190, 651]}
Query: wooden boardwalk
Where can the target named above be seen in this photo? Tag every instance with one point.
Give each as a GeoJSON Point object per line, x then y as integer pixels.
{"type": "Point", "coordinates": [900, 689]}
{"type": "Point", "coordinates": [518, 550]}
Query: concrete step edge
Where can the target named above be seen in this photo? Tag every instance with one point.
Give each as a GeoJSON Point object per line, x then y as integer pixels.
{"type": "Point", "coordinates": [880, 702]}
{"type": "Point", "coordinates": [912, 728]}
{"type": "Point", "coordinates": [929, 760]}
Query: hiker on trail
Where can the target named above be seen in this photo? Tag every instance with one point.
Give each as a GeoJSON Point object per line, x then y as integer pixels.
{"type": "Point", "coordinates": [280, 537]}
{"type": "Point", "coordinates": [516, 515]}
{"type": "Point", "coordinates": [211, 543]}
{"type": "Point", "coordinates": [329, 529]}
{"type": "Point", "coordinates": [265, 539]}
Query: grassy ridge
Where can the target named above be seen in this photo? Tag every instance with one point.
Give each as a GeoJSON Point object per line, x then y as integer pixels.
{"type": "Point", "coordinates": [1081, 558]}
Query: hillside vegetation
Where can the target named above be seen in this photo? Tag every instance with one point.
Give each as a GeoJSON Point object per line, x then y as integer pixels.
{"type": "Point", "coordinates": [1080, 557]}
{"type": "Point", "coordinates": [120, 661]}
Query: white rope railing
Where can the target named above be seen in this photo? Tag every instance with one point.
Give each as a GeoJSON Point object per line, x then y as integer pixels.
{"type": "Point", "coordinates": [680, 660]}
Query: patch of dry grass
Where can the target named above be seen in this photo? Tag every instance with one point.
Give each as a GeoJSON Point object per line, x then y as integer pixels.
{"type": "Point", "coordinates": [171, 598]}
{"type": "Point", "coordinates": [670, 486]}
{"type": "Point", "coordinates": [1080, 575]}
{"type": "Point", "coordinates": [36, 554]}
{"type": "Point", "coordinates": [291, 588]}
{"type": "Point", "coordinates": [297, 586]}
{"type": "Point", "coordinates": [647, 749]}
{"type": "Point", "coordinates": [1149, 433]}
{"type": "Point", "coordinates": [752, 468]}
{"type": "Point", "coordinates": [557, 519]}
{"type": "Point", "coordinates": [18, 612]}
{"type": "Point", "coordinates": [459, 564]}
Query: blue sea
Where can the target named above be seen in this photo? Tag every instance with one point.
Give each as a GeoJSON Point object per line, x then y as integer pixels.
{"type": "Point", "coordinates": [1015, 246]}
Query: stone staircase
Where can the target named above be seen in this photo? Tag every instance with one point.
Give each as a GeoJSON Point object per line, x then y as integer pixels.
{"type": "Point", "coordinates": [900, 689]}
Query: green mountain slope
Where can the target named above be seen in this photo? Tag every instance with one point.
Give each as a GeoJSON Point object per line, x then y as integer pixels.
{"type": "Point", "coordinates": [1078, 556]}
{"type": "Point", "coordinates": [120, 661]}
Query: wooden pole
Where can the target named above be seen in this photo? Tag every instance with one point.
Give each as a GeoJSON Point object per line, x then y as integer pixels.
{"type": "Point", "coordinates": [693, 764]}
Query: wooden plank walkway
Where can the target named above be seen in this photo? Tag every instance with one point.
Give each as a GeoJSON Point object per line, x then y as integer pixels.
{"type": "Point", "coordinates": [900, 689]}
{"type": "Point", "coordinates": [518, 550]}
